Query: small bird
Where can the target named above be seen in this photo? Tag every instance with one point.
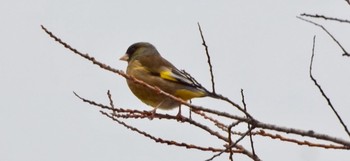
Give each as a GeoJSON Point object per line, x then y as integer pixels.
{"type": "Point", "coordinates": [146, 64]}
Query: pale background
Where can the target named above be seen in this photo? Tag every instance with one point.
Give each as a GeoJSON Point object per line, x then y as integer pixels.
{"type": "Point", "coordinates": [259, 46]}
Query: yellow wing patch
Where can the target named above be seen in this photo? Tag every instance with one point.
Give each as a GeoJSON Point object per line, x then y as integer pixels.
{"type": "Point", "coordinates": [167, 75]}
{"type": "Point", "coordinates": [188, 94]}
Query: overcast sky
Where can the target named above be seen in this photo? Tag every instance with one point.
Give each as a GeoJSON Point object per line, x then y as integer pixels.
{"type": "Point", "coordinates": [259, 46]}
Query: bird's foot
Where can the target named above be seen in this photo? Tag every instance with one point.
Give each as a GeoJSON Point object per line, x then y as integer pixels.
{"type": "Point", "coordinates": [179, 116]}
{"type": "Point", "coordinates": [152, 114]}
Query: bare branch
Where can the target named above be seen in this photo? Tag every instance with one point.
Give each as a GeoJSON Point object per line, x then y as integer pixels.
{"type": "Point", "coordinates": [249, 125]}
{"type": "Point", "coordinates": [209, 60]}
{"type": "Point", "coordinates": [323, 93]}
{"type": "Point", "coordinates": [145, 114]}
{"type": "Point", "coordinates": [215, 121]}
{"type": "Point", "coordinates": [221, 97]}
{"type": "Point", "coordinates": [345, 53]}
{"type": "Point", "coordinates": [110, 99]}
{"type": "Point", "coordinates": [325, 17]}
{"type": "Point", "coordinates": [310, 133]}
{"type": "Point", "coordinates": [234, 145]}
{"type": "Point", "coordinates": [163, 141]}
{"type": "Point", "coordinates": [307, 143]}
{"type": "Point", "coordinates": [230, 141]}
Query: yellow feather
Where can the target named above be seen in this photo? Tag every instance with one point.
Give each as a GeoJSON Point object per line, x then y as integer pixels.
{"type": "Point", "coordinates": [167, 75]}
{"type": "Point", "coordinates": [188, 94]}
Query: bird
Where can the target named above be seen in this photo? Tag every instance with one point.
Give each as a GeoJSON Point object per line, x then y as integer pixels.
{"type": "Point", "coordinates": [146, 64]}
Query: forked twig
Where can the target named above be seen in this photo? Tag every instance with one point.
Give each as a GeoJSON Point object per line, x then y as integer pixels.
{"type": "Point", "coordinates": [345, 53]}
{"type": "Point", "coordinates": [234, 145]}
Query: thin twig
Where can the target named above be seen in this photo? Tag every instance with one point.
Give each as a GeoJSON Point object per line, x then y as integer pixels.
{"type": "Point", "coordinates": [145, 114]}
{"type": "Point", "coordinates": [323, 93]}
{"type": "Point", "coordinates": [308, 133]}
{"type": "Point", "coordinates": [195, 83]}
{"type": "Point", "coordinates": [230, 140]}
{"type": "Point", "coordinates": [325, 17]}
{"type": "Point", "coordinates": [110, 99]}
{"type": "Point", "coordinates": [160, 140]}
{"type": "Point", "coordinates": [304, 142]}
{"type": "Point", "coordinates": [93, 102]}
{"type": "Point", "coordinates": [215, 95]}
{"type": "Point", "coordinates": [263, 133]}
{"type": "Point", "coordinates": [257, 124]}
{"type": "Point", "coordinates": [231, 146]}
{"type": "Point", "coordinates": [216, 122]}
{"type": "Point", "coordinates": [208, 57]}
{"type": "Point", "coordinates": [249, 125]}
{"type": "Point", "coordinates": [345, 53]}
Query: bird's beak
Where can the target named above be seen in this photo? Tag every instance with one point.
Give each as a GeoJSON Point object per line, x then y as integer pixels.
{"type": "Point", "coordinates": [125, 57]}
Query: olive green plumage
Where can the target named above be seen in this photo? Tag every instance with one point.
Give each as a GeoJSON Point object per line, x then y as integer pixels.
{"type": "Point", "coordinates": [146, 64]}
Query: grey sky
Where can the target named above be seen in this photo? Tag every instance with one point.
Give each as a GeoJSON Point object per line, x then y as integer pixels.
{"type": "Point", "coordinates": [259, 46]}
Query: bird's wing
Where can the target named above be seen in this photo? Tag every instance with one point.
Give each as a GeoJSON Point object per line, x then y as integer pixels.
{"type": "Point", "coordinates": [174, 75]}
{"type": "Point", "coordinates": [159, 66]}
